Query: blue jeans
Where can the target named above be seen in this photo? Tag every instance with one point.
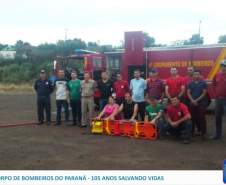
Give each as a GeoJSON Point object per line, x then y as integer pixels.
{"type": "Point", "coordinates": [219, 112]}
{"type": "Point", "coordinates": [103, 102]}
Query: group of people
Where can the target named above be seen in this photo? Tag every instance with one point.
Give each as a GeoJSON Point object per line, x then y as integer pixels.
{"type": "Point", "coordinates": [177, 106]}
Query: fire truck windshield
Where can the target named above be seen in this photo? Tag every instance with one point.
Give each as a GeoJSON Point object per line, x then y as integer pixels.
{"type": "Point", "coordinates": [76, 64]}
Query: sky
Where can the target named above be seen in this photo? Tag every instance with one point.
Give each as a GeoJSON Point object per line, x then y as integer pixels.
{"type": "Point", "coordinates": [104, 21]}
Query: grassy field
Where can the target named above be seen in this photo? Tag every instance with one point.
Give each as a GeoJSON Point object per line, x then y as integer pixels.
{"type": "Point", "coordinates": [13, 88]}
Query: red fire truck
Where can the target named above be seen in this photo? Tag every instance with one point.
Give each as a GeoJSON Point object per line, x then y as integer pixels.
{"type": "Point", "coordinates": [82, 61]}
{"type": "Point", "coordinates": [206, 58]}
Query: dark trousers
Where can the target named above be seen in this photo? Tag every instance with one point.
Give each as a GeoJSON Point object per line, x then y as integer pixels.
{"type": "Point", "coordinates": [119, 100]}
{"type": "Point", "coordinates": [185, 101]}
{"type": "Point", "coordinates": [198, 114]}
{"type": "Point", "coordinates": [59, 104]}
{"type": "Point", "coordinates": [141, 110]}
{"type": "Point", "coordinates": [183, 130]}
{"type": "Point", "coordinates": [76, 110]}
{"type": "Point", "coordinates": [219, 112]}
{"type": "Point", "coordinates": [160, 126]}
{"type": "Point", "coordinates": [43, 103]}
{"type": "Point", "coordinates": [102, 103]}
{"type": "Point", "coordinates": [97, 103]}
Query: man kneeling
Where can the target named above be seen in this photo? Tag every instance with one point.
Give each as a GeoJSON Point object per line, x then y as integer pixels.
{"type": "Point", "coordinates": [178, 120]}
{"type": "Point", "coordinates": [153, 113]}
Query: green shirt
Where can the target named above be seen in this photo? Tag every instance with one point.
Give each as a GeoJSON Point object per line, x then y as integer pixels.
{"type": "Point", "coordinates": [152, 111]}
{"type": "Point", "coordinates": [74, 87]}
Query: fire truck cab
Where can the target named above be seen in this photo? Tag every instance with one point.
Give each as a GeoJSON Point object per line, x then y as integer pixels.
{"type": "Point", "coordinates": [82, 61]}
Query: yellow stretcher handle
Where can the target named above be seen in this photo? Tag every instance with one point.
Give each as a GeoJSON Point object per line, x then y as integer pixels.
{"type": "Point", "coordinates": [136, 129]}
{"type": "Point", "coordinates": [107, 127]}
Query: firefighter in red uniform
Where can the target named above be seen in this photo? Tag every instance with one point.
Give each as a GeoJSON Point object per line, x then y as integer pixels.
{"type": "Point", "coordinates": [219, 84]}
{"type": "Point", "coordinates": [175, 85]}
{"type": "Point", "coordinates": [120, 87]}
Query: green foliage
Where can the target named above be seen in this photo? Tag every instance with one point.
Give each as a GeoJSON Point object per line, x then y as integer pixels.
{"type": "Point", "coordinates": [148, 40]}
{"type": "Point", "coordinates": [64, 48]}
{"type": "Point", "coordinates": [2, 46]}
{"type": "Point", "coordinates": [18, 72]}
{"type": "Point", "coordinates": [30, 59]}
{"type": "Point", "coordinates": [222, 39]}
{"type": "Point", "coordinates": [195, 39]}
{"type": "Point", "coordinates": [15, 73]}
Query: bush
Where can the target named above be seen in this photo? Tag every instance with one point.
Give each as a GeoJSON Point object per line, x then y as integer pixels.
{"type": "Point", "coordinates": [22, 72]}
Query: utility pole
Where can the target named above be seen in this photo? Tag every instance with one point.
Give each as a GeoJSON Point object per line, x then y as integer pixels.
{"type": "Point", "coordinates": [200, 28]}
{"type": "Point", "coordinates": [65, 36]}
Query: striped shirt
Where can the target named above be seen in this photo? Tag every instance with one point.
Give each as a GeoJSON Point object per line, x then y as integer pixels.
{"type": "Point", "coordinates": [155, 88]}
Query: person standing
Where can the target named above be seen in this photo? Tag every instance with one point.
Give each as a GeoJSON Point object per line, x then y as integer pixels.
{"type": "Point", "coordinates": [43, 88]}
{"type": "Point", "coordinates": [74, 87]}
{"type": "Point", "coordinates": [155, 86]}
{"type": "Point", "coordinates": [61, 97]}
{"type": "Point", "coordinates": [196, 93]}
{"type": "Point", "coordinates": [87, 92]}
{"type": "Point", "coordinates": [120, 87]}
{"type": "Point", "coordinates": [187, 79]}
{"type": "Point", "coordinates": [138, 87]}
{"type": "Point", "coordinates": [105, 87]}
{"type": "Point", "coordinates": [175, 85]}
{"type": "Point", "coordinates": [219, 83]}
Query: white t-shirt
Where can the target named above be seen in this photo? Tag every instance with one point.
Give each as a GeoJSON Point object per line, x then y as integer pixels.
{"type": "Point", "coordinates": [61, 89]}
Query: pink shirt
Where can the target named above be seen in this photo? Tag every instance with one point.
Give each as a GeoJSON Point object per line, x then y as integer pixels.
{"type": "Point", "coordinates": [109, 109]}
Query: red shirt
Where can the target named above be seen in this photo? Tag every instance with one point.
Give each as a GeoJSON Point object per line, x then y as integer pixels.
{"type": "Point", "coordinates": [97, 94]}
{"type": "Point", "coordinates": [174, 84]}
{"type": "Point", "coordinates": [120, 88]}
{"type": "Point", "coordinates": [187, 80]}
{"type": "Point", "coordinates": [155, 88]}
{"type": "Point", "coordinates": [219, 82]}
{"type": "Point", "coordinates": [175, 113]}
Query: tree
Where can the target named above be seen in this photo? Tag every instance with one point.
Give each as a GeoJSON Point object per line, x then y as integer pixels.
{"type": "Point", "coordinates": [93, 46]}
{"type": "Point", "coordinates": [23, 49]}
{"type": "Point", "coordinates": [222, 39]}
{"type": "Point", "coordinates": [195, 39]}
{"type": "Point", "coordinates": [68, 47]}
{"type": "Point", "coordinates": [2, 46]}
{"type": "Point", "coordinates": [148, 40]}
{"type": "Point", "coordinates": [45, 50]}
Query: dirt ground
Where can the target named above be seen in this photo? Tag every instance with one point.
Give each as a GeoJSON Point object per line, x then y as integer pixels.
{"type": "Point", "coordinates": [72, 148]}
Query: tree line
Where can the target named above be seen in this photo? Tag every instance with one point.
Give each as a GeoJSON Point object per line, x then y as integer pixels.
{"type": "Point", "coordinates": [25, 69]}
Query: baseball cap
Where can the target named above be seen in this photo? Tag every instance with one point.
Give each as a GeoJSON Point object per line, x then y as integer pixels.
{"type": "Point", "coordinates": [153, 70]}
{"type": "Point", "coordinates": [42, 71]}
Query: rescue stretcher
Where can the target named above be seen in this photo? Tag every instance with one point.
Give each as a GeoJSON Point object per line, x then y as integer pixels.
{"type": "Point", "coordinates": [140, 130]}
